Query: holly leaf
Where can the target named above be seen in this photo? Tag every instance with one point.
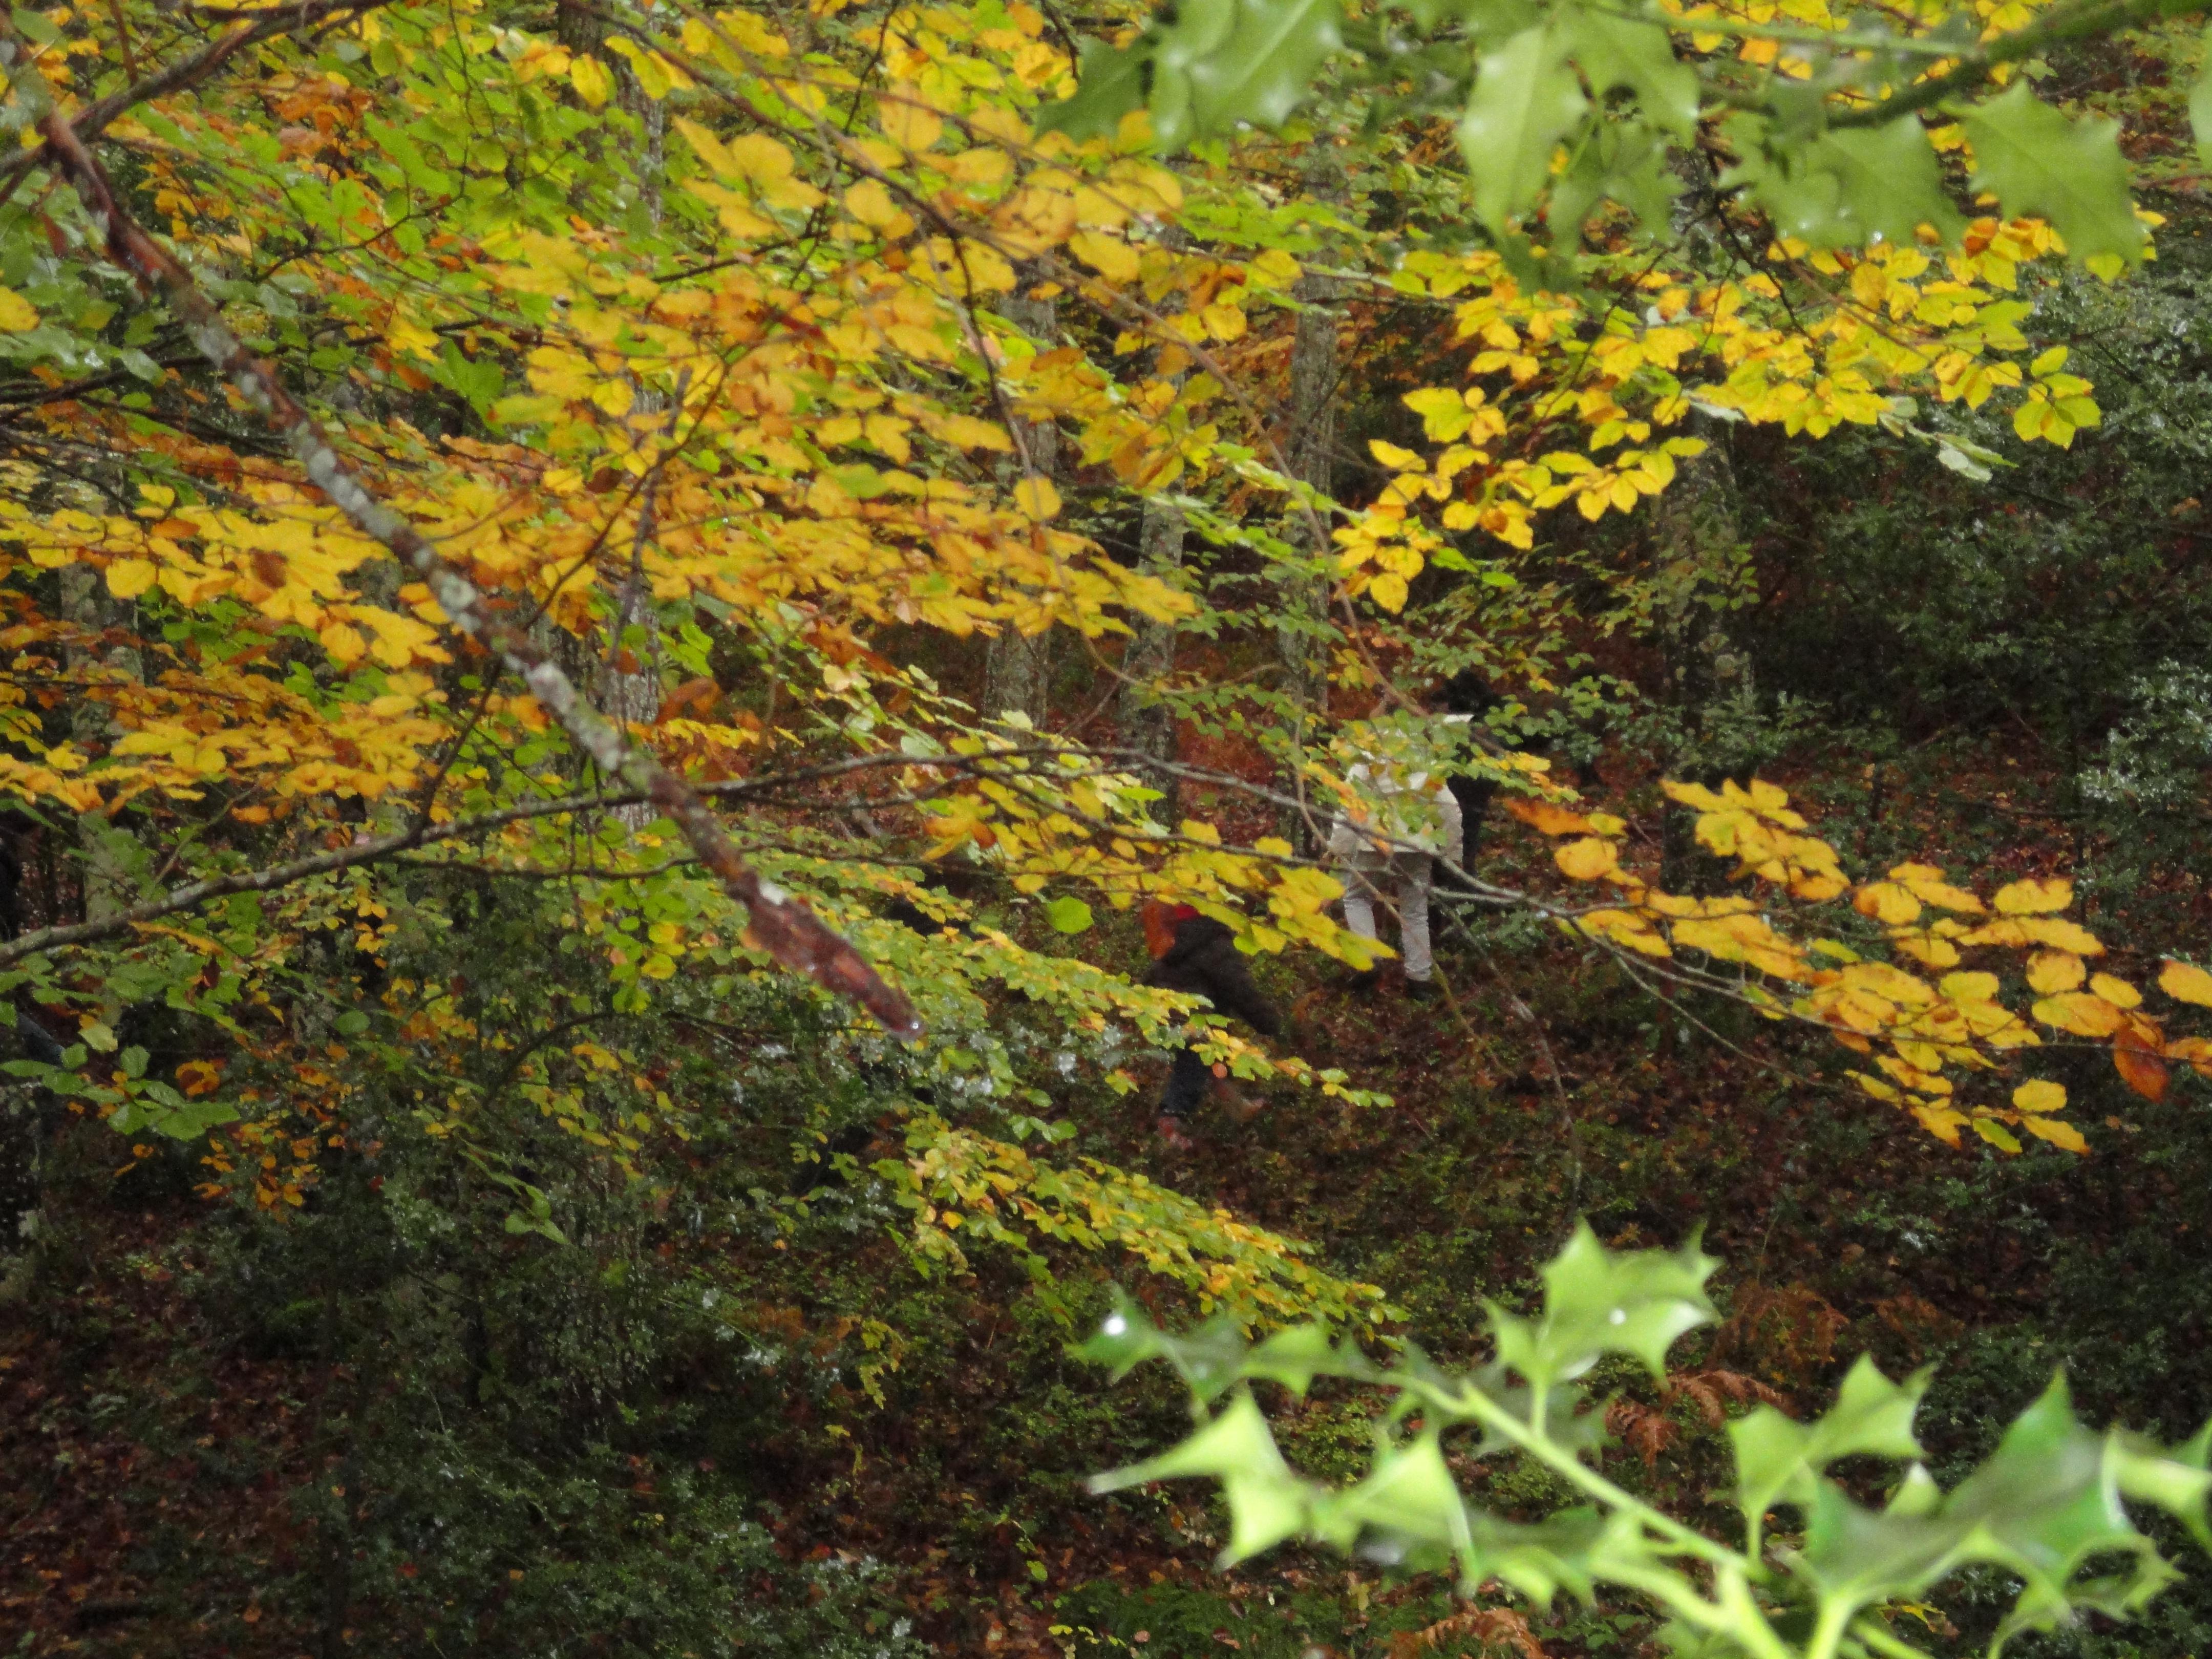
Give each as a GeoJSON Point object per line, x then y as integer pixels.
{"type": "Point", "coordinates": [1266, 1502]}
{"type": "Point", "coordinates": [1621, 52]}
{"type": "Point", "coordinates": [1842, 188]}
{"type": "Point", "coordinates": [1222, 62]}
{"type": "Point", "coordinates": [1110, 83]}
{"type": "Point", "coordinates": [2036, 160]}
{"type": "Point", "coordinates": [1526, 99]}
{"type": "Point", "coordinates": [1598, 1302]}
{"type": "Point", "coordinates": [1777, 1459]}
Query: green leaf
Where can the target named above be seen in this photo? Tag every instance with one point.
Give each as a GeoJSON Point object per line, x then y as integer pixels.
{"type": "Point", "coordinates": [1408, 1498]}
{"type": "Point", "coordinates": [1625, 161]}
{"type": "Point", "coordinates": [1209, 1360]}
{"type": "Point", "coordinates": [1224, 62]}
{"type": "Point", "coordinates": [1776, 1458]}
{"type": "Point", "coordinates": [1068, 914]}
{"type": "Point", "coordinates": [2036, 161]}
{"type": "Point", "coordinates": [1266, 1502]}
{"type": "Point", "coordinates": [1618, 51]}
{"type": "Point", "coordinates": [1294, 1357]}
{"type": "Point", "coordinates": [2045, 1504]}
{"type": "Point", "coordinates": [1843, 189]}
{"type": "Point", "coordinates": [35, 26]}
{"type": "Point", "coordinates": [1598, 1301]}
{"type": "Point", "coordinates": [1526, 99]}
{"type": "Point", "coordinates": [1110, 83]}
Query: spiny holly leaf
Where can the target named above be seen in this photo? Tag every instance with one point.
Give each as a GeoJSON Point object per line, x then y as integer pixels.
{"type": "Point", "coordinates": [1221, 62]}
{"type": "Point", "coordinates": [1598, 1301]}
{"type": "Point", "coordinates": [1842, 189]}
{"type": "Point", "coordinates": [1110, 83]}
{"type": "Point", "coordinates": [1625, 162]}
{"type": "Point", "coordinates": [1294, 1357]}
{"type": "Point", "coordinates": [1776, 1458]}
{"type": "Point", "coordinates": [1617, 52]}
{"type": "Point", "coordinates": [1408, 1498]}
{"type": "Point", "coordinates": [2038, 160]}
{"type": "Point", "coordinates": [1526, 99]}
{"type": "Point", "coordinates": [1209, 1359]}
{"type": "Point", "coordinates": [2044, 1505]}
{"type": "Point", "coordinates": [1266, 1502]}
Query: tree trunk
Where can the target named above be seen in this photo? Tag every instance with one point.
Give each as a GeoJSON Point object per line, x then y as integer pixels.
{"type": "Point", "coordinates": [1017, 668]}
{"type": "Point", "coordinates": [1148, 724]}
{"type": "Point", "coordinates": [1303, 629]}
{"type": "Point", "coordinates": [103, 847]}
{"type": "Point", "coordinates": [1702, 566]}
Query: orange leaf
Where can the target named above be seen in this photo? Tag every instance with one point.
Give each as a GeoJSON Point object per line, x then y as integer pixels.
{"type": "Point", "coordinates": [2139, 1066]}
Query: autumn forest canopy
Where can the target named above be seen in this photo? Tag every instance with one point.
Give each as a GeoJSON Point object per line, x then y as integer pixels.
{"type": "Point", "coordinates": [1292, 826]}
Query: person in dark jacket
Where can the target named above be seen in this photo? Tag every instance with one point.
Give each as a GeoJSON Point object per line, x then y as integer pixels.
{"type": "Point", "coordinates": [1468, 694]}
{"type": "Point", "coordinates": [1198, 955]}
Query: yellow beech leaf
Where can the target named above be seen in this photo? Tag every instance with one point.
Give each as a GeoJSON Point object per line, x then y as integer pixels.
{"type": "Point", "coordinates": [1886, 902]}
{"type": "Point", "coordinates": [1038, 497]}
{"type": "Point", "coordinates": [2052, 971]}
{"type": "Point", "coordinates": [909, 124]}
{"type": "Point", "coordinates": [590, 78]}
{"type": "Point", "coordinates": [1552, 819]}
{"type": "Point", "coordinates": [1943, 1121]}
{"type": "Point", "coordinates": [2040, 1096]}
{"type": "Point", "coordinates": [1925, 882]}
{"type": "Point", "coordinates": [871, 204]}
{"type": "Point", "coordinates": [2035, 895]}
{"type": "Point", "coordinates": [1969, 988]}
{"type": "Point", "coordinates": [16, 312]}
{"type": "Point", "coordinates": [2186, 982]}
{"type": "Point", "coordinates": [2118, 991]}
{"type": "Point", "coordinates": [128, 578]}
{"type": "Point", "coordinates": [2057, 1131]}
{"type": "Point", "coordinates": [2081, 1013]}
{"type": "Point", "coordinates": [2060, 933]}
{"type": "Point", "coordinates": [1110, 257]}
{"type": "Point", "coordinates": [1588, 859]}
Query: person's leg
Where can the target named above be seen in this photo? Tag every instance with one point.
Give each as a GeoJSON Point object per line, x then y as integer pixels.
{"type": "Point", "coordinates": [1414, 871]}
{"type": "Point", "coordinates": [1187, 1080]}
{"type": "Point", "coordinates": [1358, 874]}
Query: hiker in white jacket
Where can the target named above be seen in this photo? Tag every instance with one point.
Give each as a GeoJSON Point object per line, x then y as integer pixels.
{"type": "Point", "coordinates": [1405, 817]}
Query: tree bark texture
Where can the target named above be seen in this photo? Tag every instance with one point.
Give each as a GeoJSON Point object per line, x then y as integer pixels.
{"type": "Point", "coordinates": [1018, 666]}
